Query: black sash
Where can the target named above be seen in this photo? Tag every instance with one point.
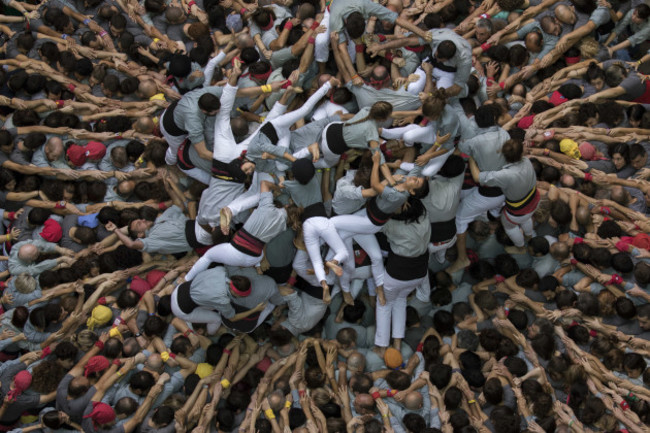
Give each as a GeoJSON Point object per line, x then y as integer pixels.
{"type": "Point", "coordinates": [185, 301]}
{"type": "Point", "coordinates": [168, 122]}
{"type": "Point", "coordinates": [190, 235]}
{"type": "Point", "coordinates": [269, 130]}
{"type": "Point", "coordinates": [490, 191]}
{"type": "Point", "coordinates": [407, 268]}
{"type": "Point", "coordinates": [224, 171]}
{"type": "Point", "coordinates": [443, 230]}
{"type": "Point", "coordinates": [442, 66]}
{"type": "Point", "coordinates": [313, 210]}
{"type": "Point", "coordinates": [244, 325]}
{"type": "Point", "coordinates": [377, 217]}
{"type": "Point", "coordinates": [247, 243]}
{"type": "Point", "coordinates": [335, 141]}
{"type": "Point", "coordinates": [304, 286]}
{"type": "Point", "coordinates": [184, 161]}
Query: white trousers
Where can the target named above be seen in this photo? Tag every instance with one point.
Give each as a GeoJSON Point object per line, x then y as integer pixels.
{"type": "Point", "coordinates": [358, 227]}
{"type": "Point", "coordinates": [412, 134]}
{"type": "Point", "coordinates": [322, 44]}
{"type": "Point", "coordinates": [196, 174]}
{"type": "Point", "coordinates": [225, 254]}
{"type": "Point", "coordinates": [432, 167]}
{"type": "Point", "coordinates": [251, 197]}
{"type": "Point", "coordinates": [440, 249]}
{"type": "Point", "coordinates": [199, 315]}
{"type": "Point", "coordinates": [314, 229]}
{"type": "Point", "coordinates": [174, 142]}
{"type": "Point", "coordinates": [443, 79]}
{"type": "Point", "coordinates": [474, 206]}
{"type": "Point", "coordinates": [329, 158]}
{"type": "Point", "coordinates": [393, 314]}
{"type": "Point", "coordinates": [513, 225]}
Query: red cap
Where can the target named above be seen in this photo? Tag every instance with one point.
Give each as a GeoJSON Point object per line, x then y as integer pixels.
{"type": "Point", "coordinates": [526, 122]}
{"type": "Point", "coordinates": [96, 364]}
{"type": "Point", "coordinates": [95, 150]}
{"type": "Point", "coordinates": [101, 413]}
{"type": "Point", "coordinates": [22, 381]}
{"type": "Point", "coordinates": [77, 155]}
{"type": "Point", "coordinates": [52, 231]}
{"type": "Point", "coordinates": [140, 286]}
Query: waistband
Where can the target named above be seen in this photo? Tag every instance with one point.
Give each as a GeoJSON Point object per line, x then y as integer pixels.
{"type": "Point", "coordinates": [376, 216]}
{"type": "Point", "coordinates": [183, 154]}
{"type": "Point", "coordinates": [524, 206]}
{"type": "Point", "coordinates": [443, 230]}
{"type": "Point", "coordinates": [247, 243]}
{"type": "Point", "coordinates": [304, 286]}
{"type": "Point", "coordinates": [269, 131]}
{"type": "Point", "coordinates": [246, 324]}
{"type": "Point", "coordinates": [185, 301]}
{"type": "Point", "coordinates": [490, 191]}
{"type": "Point", "coordinates": [335, 141]}
{"type": "Point", "coordinates": [168, 122]}
{"type": "Point", "coordinates": [190, 235]}
{"type": "Point", "coordinates": [407, 268]}
{"type": "Point", "coordinates": [313, 210]}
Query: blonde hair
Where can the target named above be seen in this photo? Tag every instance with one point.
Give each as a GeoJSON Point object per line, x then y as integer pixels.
{"type": "Point", "coordinates": [25, 283]}
{"type": "Point", "coordinates": [84, 339]}
{"type": "Point", "coordinates": [380, 110]}
{"type": "Point", "coordinates": [320, 396]}
{"type": "Point", "coordinates": [589, 48]}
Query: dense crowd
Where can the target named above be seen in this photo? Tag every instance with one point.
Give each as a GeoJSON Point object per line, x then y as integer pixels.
{"type": "Point", "coordinates": [318, 216]}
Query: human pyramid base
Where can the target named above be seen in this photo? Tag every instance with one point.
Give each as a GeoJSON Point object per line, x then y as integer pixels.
{"type": "Point", "coordinates": [310, 216]}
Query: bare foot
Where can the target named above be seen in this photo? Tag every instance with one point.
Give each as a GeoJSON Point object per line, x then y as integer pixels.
{"type": "Point", "coordinates": [379, 351]}
{"type": "Point", "coordinates": [225, 216]}
{"type": "Point", "coordinates": [326, 294]}
{"type": "Point", "coordinates": [315, 151]}
{"type": "Point", "coordinates": [397, 343]}
{"type": "Point", "coordinates": [458, 265]}
{"type": "Point", "coordinates": [331, 264]}
{"type": "Point", "coordinates": [347, 298]}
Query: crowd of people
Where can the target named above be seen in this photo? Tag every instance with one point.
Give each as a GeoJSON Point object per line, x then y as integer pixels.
{"type": "Point", "coordinates": [310, 216]}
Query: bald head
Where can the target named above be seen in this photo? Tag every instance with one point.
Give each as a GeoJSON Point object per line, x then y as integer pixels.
{"type": "Point", "coordinates": [567, 180]}
{"type": "Point", "coordinates": [125, 188]}
{"type": "Point", "coordinates": [565, 15]}
{"type": "Point", "coordinates": [413, 401]}
{"type": "Point", "coordinates": [130, 347]}
{"type": "Point", "coordinates": [147, 88]}
{"type": "Point", "coordinates": [239, 126]}
{"type": "Point", "coordinates": [559, 251]}
{"type": "Point", "coordinates": [245, 41]}
{"type": "Point", "coordinates": [583, 216]}
{"type": "Point", "coordinates": [356, 362]}
{"type": "Point", "coordinates": [620, 195]}
{"type": "Point", "coordinates": [154, 362]}
{"type": "Point", "coordinates": [276, 401]}
{"type": "Point", "coordinates": [144, 125]}
{"type": "Point", "coordinates": [533, 42]}
{"type": "Point", "coordinates": [364, 404]}
{"type": "Point", "coordinates": [54, 149]}
{"type": "Point", "coordinates": [28, 253]}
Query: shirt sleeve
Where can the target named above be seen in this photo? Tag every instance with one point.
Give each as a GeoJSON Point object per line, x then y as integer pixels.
{"type": "Point", "coordinates": [600, 16]}
{"type": "Point", "coordinates": [640, 36]}
{"type": "Point", "coordinates": [622, 24]}
{"type": "Point", "coordinates": [371, 8]}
